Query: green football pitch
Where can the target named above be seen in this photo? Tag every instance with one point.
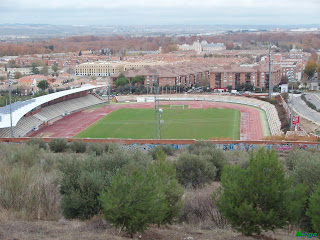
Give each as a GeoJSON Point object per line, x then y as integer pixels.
{"type": "Point", "coordinates": [178, 124]}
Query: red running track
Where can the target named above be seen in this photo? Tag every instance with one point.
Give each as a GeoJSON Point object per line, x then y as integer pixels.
{"type": "Point", "coordinates": [69, 126]}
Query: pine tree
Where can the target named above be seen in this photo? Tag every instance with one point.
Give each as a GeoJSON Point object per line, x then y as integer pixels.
{"type": "Point", "coordinates": [260, 197]}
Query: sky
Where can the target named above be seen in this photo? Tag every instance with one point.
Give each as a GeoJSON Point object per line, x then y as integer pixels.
{"type": "Point", "coordinates": [163, 12]}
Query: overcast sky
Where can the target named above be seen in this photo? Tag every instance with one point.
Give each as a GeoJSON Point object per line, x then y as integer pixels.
{"type": "Point", "coordinates": [144, 12]}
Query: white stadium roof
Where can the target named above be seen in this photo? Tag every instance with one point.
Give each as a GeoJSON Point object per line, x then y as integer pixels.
{"type": "Point", "coordinates": [19, 109]}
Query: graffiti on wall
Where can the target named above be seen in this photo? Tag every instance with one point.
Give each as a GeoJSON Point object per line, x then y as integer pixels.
{"type": "Point", "coordinates": [232, 146]}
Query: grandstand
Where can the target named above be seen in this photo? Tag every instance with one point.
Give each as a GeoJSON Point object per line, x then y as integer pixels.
{"type": "Point", "coordinates": [31, 114]}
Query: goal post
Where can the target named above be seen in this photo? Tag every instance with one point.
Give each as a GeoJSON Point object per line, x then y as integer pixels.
{"type": "Point", "coordinates": [177, 107]}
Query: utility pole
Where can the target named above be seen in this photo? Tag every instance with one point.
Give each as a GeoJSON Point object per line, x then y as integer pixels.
{"type": "Point", "coordinates": [108, 59]}
{"type": "Point", "coordinates": [270, 73]}
{"type": "Point", "coordinates": [11, 77]}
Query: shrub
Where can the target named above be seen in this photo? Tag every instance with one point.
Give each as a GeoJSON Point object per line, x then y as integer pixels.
{"type": "Point", "coordinates": [28, 192]}
{"type": "Point", "coordinates": [216, 157]}
{"type": "Point", "coordinates": [137, 198]}
{"type": "Point", "coordinates": [167, 149]}
{"type": "Point", "coordinates": [313, 210]}
{"type": "Point", "coordinates": [58, 145]}
{"type": "Point", "coordinates": [197, 146]}
{"type": "Point", "coordinates": [305, 168]}
{"type": "Point", "coordinates": [259, 197]}
{"type": "Point", "coordinates": [27, 155]}
{"type": "Point", "coordinates": [81, 183]}
{"type": "Point", "coordinates": [78, 146]}
{"type": "Point", "coordinates": [194, 171]}
{"type": "Point", "coordinates": [198, 207]}
{"type": "Point", "coordinates": [96, 148]}
{"type": "Point", "coordinates": [37, 141]}
{"type": "Point", "coordinates": [84, 177]}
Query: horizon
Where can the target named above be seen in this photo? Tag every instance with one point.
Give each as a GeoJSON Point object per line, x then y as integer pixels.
{"type": "Point", "coordinates": [149, 13]}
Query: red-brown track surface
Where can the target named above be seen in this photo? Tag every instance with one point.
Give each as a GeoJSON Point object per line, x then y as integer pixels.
{"type": "Point", "coordinates": [69, 126]}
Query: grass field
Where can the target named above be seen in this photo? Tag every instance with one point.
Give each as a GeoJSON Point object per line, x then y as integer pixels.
{"type": "Point", "coordinates": [179, 124]}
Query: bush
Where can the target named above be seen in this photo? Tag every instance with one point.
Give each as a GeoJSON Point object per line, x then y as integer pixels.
{"type": "Point", "coordinates": [101, 148]}
{"type": "Point", "coordinates": [198, 207]}
{"type": "Point", "coordinates": [83, 178]}
{"type": "Point", "coordinates": [305, 168]}
{"type": "Point", "coordinates": [197, 146]}
{"type": "Point", "coordinates": [28, 192]}
{"type": "Point", "coordinates": [216, 157]}
{"type": "Point", "coordinates": [259, 197]}
{"type": "Point", "coordinates": [194, 171]}
{"type": "Point", "coordinates": [26, 155]}
{"type": "Point", "coordinates": [167, 149]}
{"type": "Point", "coordinates": [314, 210]}
{"type": "Point", "coordinates": [58, 145]}
{"type": "Point", "coordinates": [37, 141]}
{"type": "Point", "coordinates": [78, 146]}
{"type": "Point", "coordinates": [137, 198]}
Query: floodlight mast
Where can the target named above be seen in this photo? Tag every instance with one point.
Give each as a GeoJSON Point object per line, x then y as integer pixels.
{"type": "Point", "coordinates": [11, 77]}
{"type": "Point", "coordinates": [270, 73]}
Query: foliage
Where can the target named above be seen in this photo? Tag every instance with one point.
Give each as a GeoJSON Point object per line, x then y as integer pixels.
{"type": "Point", "coordinates": [84, 177]}
{"type": "Point", "coordinates": [310, 68]}
{"type": "Point", "coordinates": [310, 104]}
{"type": "Point", "coordinates": [305, 168]}
{"type": "Point", "coordinates": [78, 146]}
{"type": "Point", "coordinates": [196, 147]}
{"type": "Point", "coordinates": [121, 82]}
{"type": "Point", "coordinates": [313, 210]}
{"type": "Point", "coordinates": [167, 149]}
{"type": "Point", "coordinates": [43, 85]}
{"type": "Point", "coordinates": [140, 197]}
{"type": "Point", "coordinates": [37, 141]}
{"type": "Point", "coordinates": [216, 157]}
{"type": "Point", "coordinates": [17, 75]}
{"type": "Point", "coordinates": [194, 170]}
{"type": "Point", "coordinates": [259, 197]}
{"type": "Point", "coordinates": [58, 145]}
{"type": "Point", "coordinates": [138, 79]}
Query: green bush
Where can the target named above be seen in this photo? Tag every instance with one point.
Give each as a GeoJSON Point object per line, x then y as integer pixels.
{"type": "Point", "coordinates": [167, 149]}
{"type": "Point", "coordinates": [305, 168]}
{"type": "Point", "coordinates": [58, 145]}
{"type": "Point", "coordinates": [37, 141]}
{"type": "Point", "coordinates": [198, 146]}
{"type": "Point", "coordinates": [78, 146]}
{"type": "Point", "coordinates": [84, 177]}
{"type": "Point", "coordinates": [138, 198]}
{"type": "Point", "coordinates": [314, 210]}
{"type": "Point", "coordinates": [194, 170]}
{"type": "Point", "coordinates": [101, 148]}
{"type": "Point", "coordinates": [216, 157]}
{"type": "Point", "coordinates": [259, 197]}
{"type": "Point", "coordinates": [26, 155]}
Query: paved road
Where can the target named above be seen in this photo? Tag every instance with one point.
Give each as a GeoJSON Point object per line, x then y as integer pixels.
{"type": "Point", "coordinates": [303, 110]}
{"type": "Point", "coordinates": [314, 98]}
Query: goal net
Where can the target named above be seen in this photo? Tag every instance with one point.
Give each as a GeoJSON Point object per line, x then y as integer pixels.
{"type": "Point", "coordinates": [177, 106]}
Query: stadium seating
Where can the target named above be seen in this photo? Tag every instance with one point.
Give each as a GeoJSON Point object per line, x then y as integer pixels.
{"type": "Point", "coordinates": [52, 112]}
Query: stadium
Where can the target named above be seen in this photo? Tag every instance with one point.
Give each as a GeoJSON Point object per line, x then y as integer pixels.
{"type": "Point", "coordinates": [80, 113]}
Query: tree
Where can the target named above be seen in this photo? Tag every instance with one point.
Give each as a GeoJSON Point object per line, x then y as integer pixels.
{"type": "Point", "coordinates": [80, 53]}
{"type": "Point", "coordinates": [51, 47]}
{"type": "Point", "coordinates": [17, 75]}
{"type": "Point", "coordinates": [34, 68]}
{"type": "Point", "coordinates": [194, 171]}
{"type": "Point", "coordinates": [229, 87]}
{"type": "Point", "coordinates": [43, 85]}
{"type": "Point", "coordinates": [310, 68]}
{"type": "Point", "coordinates": [313, 210]}
{"type": "Point", "coordinates": [122, 80]}
{"type": "Point", "coordinates": [204, 81]}
{"type": "Point", "coordinates": [259, 197]}
{"type": "Point", "coordinates": [138, 79]}
{"type": "Point", "coordinates": [44, 70]}
{"type": "Point", "coordinates": [55, 67]}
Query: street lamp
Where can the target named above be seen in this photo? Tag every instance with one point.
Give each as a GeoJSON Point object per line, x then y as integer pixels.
{"type": "Point", "coordinates": [11, 77]}
{"type": "Point", "coordinates": [291, 79]}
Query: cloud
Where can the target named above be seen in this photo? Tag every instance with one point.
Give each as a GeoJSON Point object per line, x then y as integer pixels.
{"type": "Point", "coordinates": [160, 12]}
